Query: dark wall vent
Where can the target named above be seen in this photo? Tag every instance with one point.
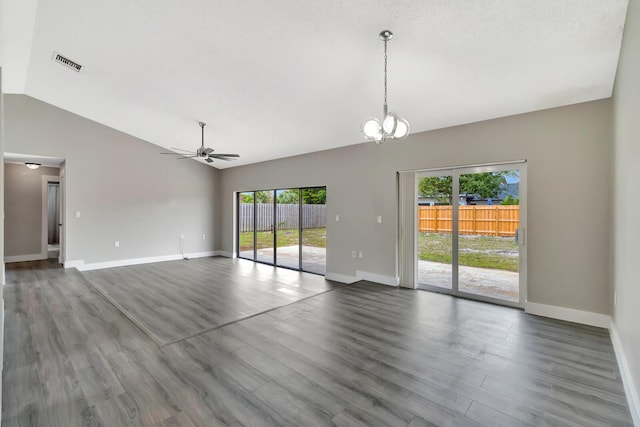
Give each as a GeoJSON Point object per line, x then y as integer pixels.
{"type": "Point", "coordinates": [66, 62]}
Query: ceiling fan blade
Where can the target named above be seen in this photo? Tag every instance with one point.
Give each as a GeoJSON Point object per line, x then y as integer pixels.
{"type": "Point", "coordinates": [180, 149]}
{"type": "Point", "coordinates": [175, 154]}
{"type": "Point", "coordinates": [208, 160]}
{"type": "Point", "coordinates": [187, 157]}
{"type": "Point", "coordinates": [224, 155]}
{"type": "Point", "coordinates": [208, 150]}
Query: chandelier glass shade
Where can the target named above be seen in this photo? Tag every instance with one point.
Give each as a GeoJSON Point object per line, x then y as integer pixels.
{"type": "Point", "coordinates": [392, 126]}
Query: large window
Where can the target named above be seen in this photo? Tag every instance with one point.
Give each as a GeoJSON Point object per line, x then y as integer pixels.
{"type": "Point", "coordinates": [284, 227]}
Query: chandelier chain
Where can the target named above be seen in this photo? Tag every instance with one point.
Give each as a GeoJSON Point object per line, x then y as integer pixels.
{"type": "Point", "coordinates": [385, 72]}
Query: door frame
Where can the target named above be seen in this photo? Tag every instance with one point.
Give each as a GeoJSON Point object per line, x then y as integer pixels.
{"type": "Point", "coordinates": [455, 173]}
{"type": "Point", "coordinates": [274, 262]}
{"type": "Point", "coordinates": [44, 249]}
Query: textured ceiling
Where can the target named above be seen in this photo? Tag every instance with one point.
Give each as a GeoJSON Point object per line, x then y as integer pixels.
{"type": "Point", "coordinates": [275, 78]}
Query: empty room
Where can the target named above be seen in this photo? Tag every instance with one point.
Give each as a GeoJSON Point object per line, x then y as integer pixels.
{"type": "Point", "coordinates": [350, 213]}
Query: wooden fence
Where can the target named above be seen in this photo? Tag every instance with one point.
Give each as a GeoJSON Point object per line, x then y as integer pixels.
{"type": "Point", "coordinates": [479, 220]}
{"type": "Point", "coordinates": [313, 216]}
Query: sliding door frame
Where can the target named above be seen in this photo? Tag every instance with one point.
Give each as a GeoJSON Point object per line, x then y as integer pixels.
{"type": "Point", "coordinates": [455, 173]}
{"type": "Point", "coordinates": [274, 225]}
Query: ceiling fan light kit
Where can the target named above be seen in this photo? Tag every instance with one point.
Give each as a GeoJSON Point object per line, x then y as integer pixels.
{"type": "Point", "coordinates": [392, 126]}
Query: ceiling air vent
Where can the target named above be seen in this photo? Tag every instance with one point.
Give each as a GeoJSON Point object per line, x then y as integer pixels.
{"type": "Point", "coordinates": [66, 62]}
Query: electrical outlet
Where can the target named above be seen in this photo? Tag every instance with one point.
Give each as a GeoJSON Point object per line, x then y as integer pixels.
{"type": "Point", "coordinates": [360, 254]}
{"type": "Point", "coordinates": [379, 219]}
{"type": "Point", "coordinates": [204, 236]}
{"type": "Point", "coordinates": [116, 243]}
{"type": "Point", "coordinates": [353, 254]}
{"type": "Point", "coordinates": [337, 218]}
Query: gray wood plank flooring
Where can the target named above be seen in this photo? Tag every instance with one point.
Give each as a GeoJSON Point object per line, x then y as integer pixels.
{"type": "Point", "coordinates": [171, 301]}
{"type": "Point", "coordinates": [358, 355]}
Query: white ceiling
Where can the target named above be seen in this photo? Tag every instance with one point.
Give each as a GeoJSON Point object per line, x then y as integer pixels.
{"type": "Point", "coordinates": [275, 78]}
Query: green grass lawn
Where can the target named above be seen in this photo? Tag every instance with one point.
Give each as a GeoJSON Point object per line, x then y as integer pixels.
{"type": "Point", "coordinates": [499, 253]}
{"type": "Point", "coordinates": [310, 237]}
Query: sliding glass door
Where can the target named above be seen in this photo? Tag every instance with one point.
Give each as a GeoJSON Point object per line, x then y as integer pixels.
{"type": "Point", "coordinates": [470, 232]}
{"type": "Point", "coordinates": [246, 236]}
{"type": "Point", "coordinates": [314, 229]}
{"type": "Point", "coordinates": [435, 226]}
{"type": "Point", "coordinates": [288, 228]}
{"type": "Point", "coordinates": [284, 227]}
{"type": "Point", "coordinates": [488, 250]}
{"type": "Point", "coordinates": [265, 228]}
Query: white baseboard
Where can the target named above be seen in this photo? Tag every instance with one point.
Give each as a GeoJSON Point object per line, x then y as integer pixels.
{"type": "Point", "coordinates": [377, 278]}
{"type": "Point", "coordinates": [568, 314]}
{"type": "Point", "coordinates": [73, 263]}
{"type": "Point", "coordinates": [224, 254]}
{"type": "Point", "coordinates": [81, 266]}
{"type": "Point", "coordinates": [630, 388]}
{"type": "Point", "coordinates": [362, 275]}
{"type": "Point", "coordinates": [342, 278]}
{"type": "Point", "coordinates": [21, 258]}
{"type": "Point", "coordinates": [1, 341]}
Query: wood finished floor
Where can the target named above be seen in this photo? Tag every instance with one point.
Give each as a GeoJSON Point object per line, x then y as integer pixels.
{"type": "Point", "coordinates": [358, 355]}
{"type": "Point", "coordinates": [171, 301]}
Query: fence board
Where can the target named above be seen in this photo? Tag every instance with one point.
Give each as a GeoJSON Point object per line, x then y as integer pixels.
{"type": "Point", "coordinates": [495, 220]}
{"type": "Point", "coordinates": [287, 216]}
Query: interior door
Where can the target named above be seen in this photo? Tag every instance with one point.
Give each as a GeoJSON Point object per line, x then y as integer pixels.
{"type": "Point", "coordinates": [471, 232]}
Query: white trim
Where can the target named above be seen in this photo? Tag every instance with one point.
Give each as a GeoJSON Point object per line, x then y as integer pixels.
{"type": "Point", "coordinates": [21, 258]}
{"type": "Point", "coordinates": [81, 266]}
{"type": "Point", "coordinates": [363, 275]}
{"type": "Point", "coordinates": [73, 263]}
{"type": "Point", "coordinates": [226, 254]}
{"type": "Point", "coordinates": [342, 278]}
{"type": "Point", "coordinates": [477, 165]}
{"type": "Point", "coordinates": [377, 278]}
{"type": "Point", "coordinates": [568, 314]}
{"type": "Point", "coordinates": [630, 388]}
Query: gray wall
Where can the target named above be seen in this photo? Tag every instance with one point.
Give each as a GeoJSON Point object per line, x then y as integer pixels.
{"type": "Point", "coordinates": [122, 187]}
{"type": "Point", "coordinates": [626, 207]}
{"type": "Point", "coordinates": [2, 277]}
{"type": "Point", "coordinates": [568, 152]}
{"type": "Point", "coordinates": [23, 213]}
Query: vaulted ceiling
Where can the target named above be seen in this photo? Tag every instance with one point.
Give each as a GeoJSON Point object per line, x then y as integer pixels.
{"type": "Point", "coordinates": [275, 78]}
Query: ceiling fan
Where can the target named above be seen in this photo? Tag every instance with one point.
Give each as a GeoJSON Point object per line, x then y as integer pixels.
{"type": "Point", "coordinates": [203, 152]}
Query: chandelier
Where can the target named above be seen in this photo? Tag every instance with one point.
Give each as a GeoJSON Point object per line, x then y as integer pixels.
{"type": "Point", "coordinates": [392, 126]}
